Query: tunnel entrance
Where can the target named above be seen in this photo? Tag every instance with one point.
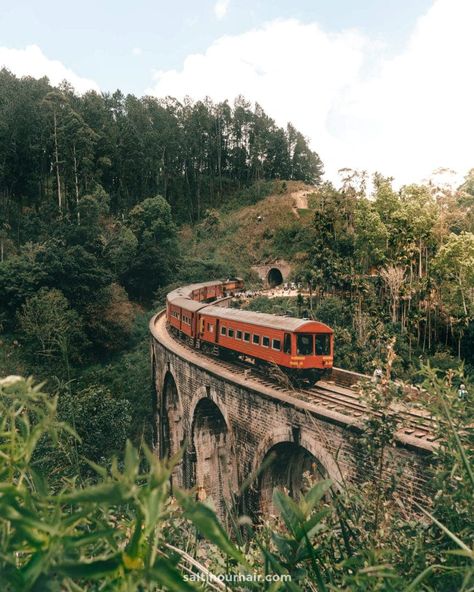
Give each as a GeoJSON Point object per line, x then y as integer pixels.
{"type": "Point", "coordinates": [274, 277]}
{"type": "Point", "coordinates": [291, 468]}
{"type": "Point", "coordinates": [211, 451]}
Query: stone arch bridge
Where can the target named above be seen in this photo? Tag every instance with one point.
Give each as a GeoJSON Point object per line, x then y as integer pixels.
{"type": "Point", "coordinates": [230, 423]}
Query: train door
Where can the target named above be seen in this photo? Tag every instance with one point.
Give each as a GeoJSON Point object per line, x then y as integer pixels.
{"type": "Point", "coordinates": [216, 339]}
{"type": "Point", "coordinates": [201, 325]}
{"type": "Point", "coordinates": [287, 343]}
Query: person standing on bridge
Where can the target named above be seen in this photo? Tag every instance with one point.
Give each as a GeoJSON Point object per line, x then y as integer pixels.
{"type": "Point", "coordinates": [377, 375]}
{"type": "Point", "coordinates": [462, 393]}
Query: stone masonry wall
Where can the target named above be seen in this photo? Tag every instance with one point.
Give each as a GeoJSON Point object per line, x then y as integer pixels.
{"type": "Point", "coordinates": [228, 430]}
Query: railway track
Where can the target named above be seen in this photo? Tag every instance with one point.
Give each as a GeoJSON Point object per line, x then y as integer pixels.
{"type": "Point", "coordinates": [414, 424]}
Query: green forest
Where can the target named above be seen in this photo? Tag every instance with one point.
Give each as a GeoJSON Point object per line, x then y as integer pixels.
{"type": "Point", "coordinates": [109, 201]}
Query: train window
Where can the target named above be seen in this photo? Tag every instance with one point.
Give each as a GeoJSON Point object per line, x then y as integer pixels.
{"type": "Point", "coordinates": [223, 331]}
{"type": "Point", "coordinates": [256, 339]}
{"type": "Point", "coordinates": [276, 344]}
{"type": "Point", "coordinates": [239, 335]}
{"type": "Point", "coordinates": [323, 344]}
{"type": "Point", "coordinates": [247, 337]}
{"type": "Point", "coordinates": [304, 344]}
{"type": "Point", "coordinates": [210, 327]}
{"type": "Point", "coordinates": [266, 341]}
{"type": "Point", "coordinates": [231, 332]}
{"type": "Point", "coordinates": [287, 344]}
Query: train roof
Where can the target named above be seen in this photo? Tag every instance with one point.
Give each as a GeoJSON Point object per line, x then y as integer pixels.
{"type": "Point", "coordinates": [188, 304]}
{"type": "Point", "coordinates": [186, 291]}
{"type": "Point", "coordinates": [266, 320]}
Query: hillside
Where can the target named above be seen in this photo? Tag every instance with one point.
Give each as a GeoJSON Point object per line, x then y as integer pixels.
{"type": "Point", "coordinates": [252, 234]}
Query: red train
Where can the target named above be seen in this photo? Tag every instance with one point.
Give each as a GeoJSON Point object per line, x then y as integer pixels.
{"type": "Point", "coordinates": [302, 348]}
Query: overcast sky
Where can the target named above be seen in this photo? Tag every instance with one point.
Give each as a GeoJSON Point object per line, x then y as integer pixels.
{"type": "Point", "coordinates": [375, 84]}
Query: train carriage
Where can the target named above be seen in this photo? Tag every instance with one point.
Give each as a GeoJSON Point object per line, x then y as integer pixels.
{"type": "Point", "coordinates": [302, 347]}
{"type": "Point", "coordinates": [183, 317]}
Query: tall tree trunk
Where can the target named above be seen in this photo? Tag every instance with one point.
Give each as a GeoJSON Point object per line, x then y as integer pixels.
{"type": "Point", "coordinates": [56, 163]}
{"type": "Point", "coordinates": [420, 260]}
{"type": "Point", "coordinates": [76, 184]}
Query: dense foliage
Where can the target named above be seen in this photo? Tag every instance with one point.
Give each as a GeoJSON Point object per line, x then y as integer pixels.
{"type": "Point", "coordinates": [56, 147]}
{"type": "Point", "coordinates": [123, 531]}
{"type": "Point", "coordinates": [388, 263]}
{"type": "Point", "coordinates": [92, 191]}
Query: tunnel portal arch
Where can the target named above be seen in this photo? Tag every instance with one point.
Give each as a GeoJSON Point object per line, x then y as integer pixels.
{"type": "Point", "coordinates": [274, 277]}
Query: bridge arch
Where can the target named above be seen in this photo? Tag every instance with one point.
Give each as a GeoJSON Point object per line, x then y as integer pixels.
{"type": "Point", "coordinates": [274, 277]}
{"type": "Point", "coordinates": [211, 454]}
{"type": "Point", "coordinates": [285, 455]}
{"type": "Point", "coordinates": [171, 414]}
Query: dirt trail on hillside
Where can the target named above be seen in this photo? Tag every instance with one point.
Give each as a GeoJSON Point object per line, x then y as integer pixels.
{"type": "Point", "coordinates": [300, 201]}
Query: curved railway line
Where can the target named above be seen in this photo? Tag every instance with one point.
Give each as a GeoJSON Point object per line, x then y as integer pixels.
{"type": "Point", "coordinates": [417, 428]}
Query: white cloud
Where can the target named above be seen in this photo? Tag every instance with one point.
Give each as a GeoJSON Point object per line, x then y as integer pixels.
{"type": "Point", "coordinates": [220, 8]}
{"type": "Point", "coordinates": [404, 115]}
{"type": "Point", "coordinates": [137, 51]}
{"type": "Point", "coordinates": [31, 61]}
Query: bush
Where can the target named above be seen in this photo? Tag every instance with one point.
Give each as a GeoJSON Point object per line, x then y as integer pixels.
{"type": "Point", "coordinates": [126, 533]}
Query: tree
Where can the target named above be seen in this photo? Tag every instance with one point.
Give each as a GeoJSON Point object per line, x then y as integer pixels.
{"type": "Point", "coordinates": [92, 411]}
{"type": "Point", "coordinates": [455, 261]}
{"type": "Point", "coordinates": [371, 236]}
{"type": "Point", "coordinates": [394, 278]}
{"type": "Point", "coordinates": [51, 330]}
{"type": "Point", "coordinates": [152, 222]}
{"type": "Point", "coordinates": [55, 101]}
{"type": "Point", "coordinates": [157, 251]}
{"type": "Point", "coordinates": [454, 267]}
{"type": "Point", "coordinates": [20, 277]}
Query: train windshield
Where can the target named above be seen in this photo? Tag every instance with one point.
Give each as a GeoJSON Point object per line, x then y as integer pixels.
{"type": "Point", "coordinates": [304, 344]}
{"type": "Point", "coordinates": [323, 344]}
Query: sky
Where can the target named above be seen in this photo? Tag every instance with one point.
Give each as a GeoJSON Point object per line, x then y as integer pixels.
{"type": "Point", "coordinates": [380, 85]}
